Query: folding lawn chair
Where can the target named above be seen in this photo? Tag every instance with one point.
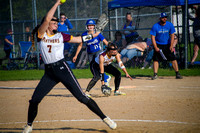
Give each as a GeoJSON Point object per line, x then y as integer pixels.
{"type": "Point", "coordinates": [25, 52]}
{"type": "Point", "coordinates": [16, 62]}
{"type": "Point", "coordinates": [24, 47]}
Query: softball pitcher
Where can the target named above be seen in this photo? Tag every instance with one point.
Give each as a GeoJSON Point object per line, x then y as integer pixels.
{"type": "Point", "coordinates": [51, 44]}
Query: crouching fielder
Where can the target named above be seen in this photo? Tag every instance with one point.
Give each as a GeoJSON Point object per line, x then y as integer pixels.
{"type": "Point", "coordinates": [103, 64]}
{"type": "Point", "coordinates": [51, 44]}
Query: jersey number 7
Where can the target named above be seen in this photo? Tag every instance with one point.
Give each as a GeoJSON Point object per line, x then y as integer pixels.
{"type": "Point", "coordinates": [49, 46]}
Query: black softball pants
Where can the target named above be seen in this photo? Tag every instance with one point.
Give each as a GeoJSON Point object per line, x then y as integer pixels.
{"type": "Point", "coordinates": [95, 69]}
{"type": "Point", "coordinates": [55, 73]}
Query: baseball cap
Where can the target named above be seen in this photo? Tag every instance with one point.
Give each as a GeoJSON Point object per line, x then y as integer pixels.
{"type": "Point", "coordinates": [163, 14]}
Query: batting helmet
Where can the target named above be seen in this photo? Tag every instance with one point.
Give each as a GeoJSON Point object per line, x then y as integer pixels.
{"type": "Point", "coordinates": [90, 22]}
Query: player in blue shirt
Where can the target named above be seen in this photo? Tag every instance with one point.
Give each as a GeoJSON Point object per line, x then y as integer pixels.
{"type": "Point", "coordinates": [93, 48]}
{"type": "Point", "coordinates": [162, 36]}
{"type": "Point", "coordinates": [63, 26]}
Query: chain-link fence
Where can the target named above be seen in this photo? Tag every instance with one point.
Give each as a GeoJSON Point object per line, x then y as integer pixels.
{"type": "Point", "coordinates": [79, 11]}
{"type": "Point", "coordinates": [143, 18]}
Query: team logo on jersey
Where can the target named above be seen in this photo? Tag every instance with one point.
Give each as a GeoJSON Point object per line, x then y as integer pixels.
{"type": "Point", "coordinates": [50, 40]}
{"type": "Point", "coordinates": [163, 31]}
{"type": "Point", "coordinates": [93, 42]}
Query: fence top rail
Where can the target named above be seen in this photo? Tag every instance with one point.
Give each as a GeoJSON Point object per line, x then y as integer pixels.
{"type": "Point", "coordinates": [79, 19]}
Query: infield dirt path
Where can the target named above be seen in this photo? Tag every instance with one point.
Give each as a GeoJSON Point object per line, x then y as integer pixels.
{"type": "Point", "coordinates": [164, 105]}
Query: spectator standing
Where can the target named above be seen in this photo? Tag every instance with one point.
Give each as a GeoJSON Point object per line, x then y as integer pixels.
{"type": "Point", "coordinates": [162, 36]}
{"type": "Point", "coordinates": [8, 46]}
{"type": "Point", "coordinates": [129, 29]}
{"type": "Point", "coordinates": [63, 26]}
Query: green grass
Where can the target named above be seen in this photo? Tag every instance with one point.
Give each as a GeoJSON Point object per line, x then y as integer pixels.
{"type": "Point", "coordinates": [21, 74]}
{"type": "Point", "coordinates": [85, 73]}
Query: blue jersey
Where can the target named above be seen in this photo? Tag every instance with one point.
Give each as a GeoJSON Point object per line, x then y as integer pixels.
{"type": "Point", "coordinates": [8, 46]}
{"type": "Point", "coordinates": [94, 44]}
{"type": "Point", "coordinates": [162, 32]}
{"type": "Point", "coordinates": [65, 27]}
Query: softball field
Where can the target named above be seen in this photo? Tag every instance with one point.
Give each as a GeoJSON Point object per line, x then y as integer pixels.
{"type": "Point", "coordinates": [165, 105]}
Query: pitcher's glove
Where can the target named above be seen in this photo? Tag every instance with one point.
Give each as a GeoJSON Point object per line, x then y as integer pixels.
{"type": "Point", "coordinates": [102, 21]}
{"type": "Point", "coordinates": [106, 90]}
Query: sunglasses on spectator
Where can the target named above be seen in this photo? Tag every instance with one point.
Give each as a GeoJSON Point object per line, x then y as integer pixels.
{"type": "Point", "coordinates": [63, 17]}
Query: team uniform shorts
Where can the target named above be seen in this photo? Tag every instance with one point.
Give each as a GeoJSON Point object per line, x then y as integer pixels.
{"type": "Point", "coordinates": [168, 54]}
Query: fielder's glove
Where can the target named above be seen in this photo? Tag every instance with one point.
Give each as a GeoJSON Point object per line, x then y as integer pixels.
{"type": "Point", "coordinates": [102, 22]}
{"type": "Point", "coordinates": [106, 90]}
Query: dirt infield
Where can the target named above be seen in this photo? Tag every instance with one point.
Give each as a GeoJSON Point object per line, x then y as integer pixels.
{"type": "Point", "coordinates": [164, 105]}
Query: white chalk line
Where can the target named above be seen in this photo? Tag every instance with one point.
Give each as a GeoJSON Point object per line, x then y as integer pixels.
{"type": "Point", "coordinates": [141, 89]}
{"type": "Point", "coordinates": [5, 87]}
{"type": "Point", "coordinates": [151, 88]}
{"type": "Point", "coordinates": [179, 89]}
{"type": "Point", "coordinates": [135, 88]}
{"type": "Point", "coordinates": [117, 120]}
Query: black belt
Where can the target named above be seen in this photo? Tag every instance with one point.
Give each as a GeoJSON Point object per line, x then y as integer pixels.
{"type": "Point", "coordinates": [55, 63]}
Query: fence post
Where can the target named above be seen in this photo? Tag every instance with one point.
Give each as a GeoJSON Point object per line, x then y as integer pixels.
{"type": "Point", "coordinates": [38, 56]}
{"type": "Point", "coordinates": [75, 4]}
{"type": "Point", "coordinates": [11, 18]}
{"type": "Point", "coordinates": [33, 13]}
{"type": "Point", "coordinates": [59, 12]}
{"type": "Point", "coordinates": [23, 30]}
{"type": "Point", "coordinates": [121, 9]}
{"type": "Point", "coordinates": [186, 32]}
{"type": "Point", "coordinates": [116, 19]}
{"type": "Point", "coordinates": [101, 7]}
